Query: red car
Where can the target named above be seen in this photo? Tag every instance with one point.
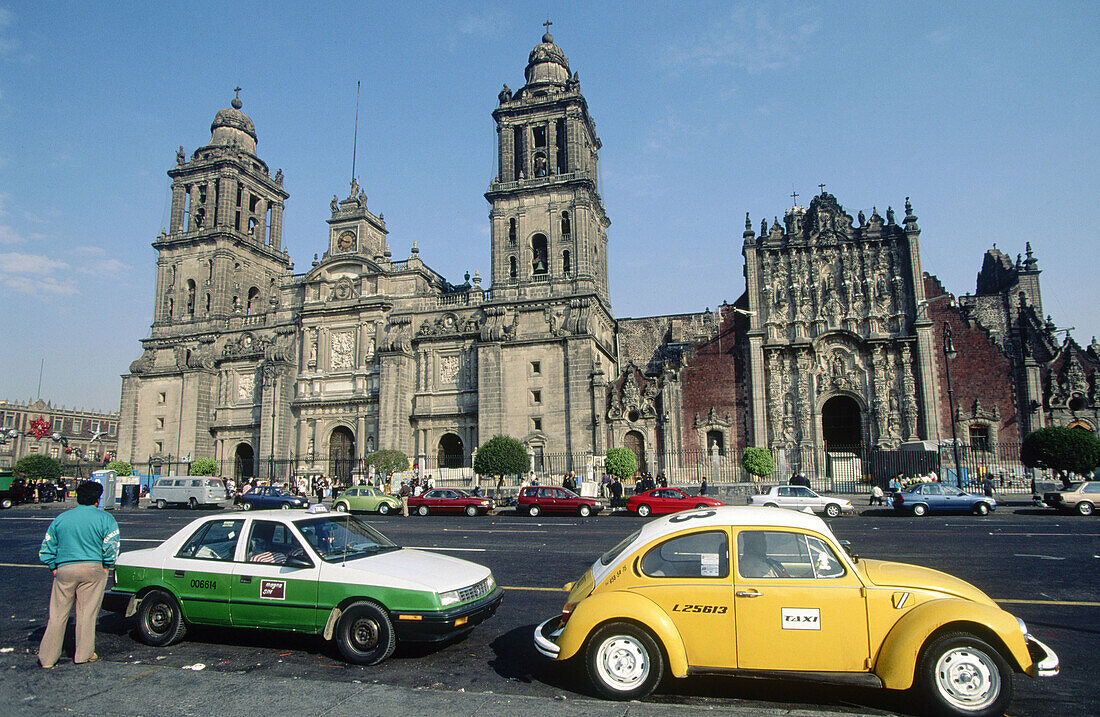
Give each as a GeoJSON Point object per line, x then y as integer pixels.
{"type": "Point", "coordinates": [450, 500]}
{"type": "Point", "coordinates": [546, 499]}
{"type": "Point", "coordinates": [667, 500]}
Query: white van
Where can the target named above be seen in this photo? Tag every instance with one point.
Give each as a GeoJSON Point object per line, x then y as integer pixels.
{"type": "Point", "coordinates": [192, 491]}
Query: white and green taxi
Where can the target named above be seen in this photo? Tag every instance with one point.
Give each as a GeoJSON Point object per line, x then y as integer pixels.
{"type": "Point", "coordinates": [307, 571]}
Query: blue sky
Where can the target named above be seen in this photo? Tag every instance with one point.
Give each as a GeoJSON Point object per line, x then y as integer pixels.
{"type": "Point", "coordinates": [984, 113]}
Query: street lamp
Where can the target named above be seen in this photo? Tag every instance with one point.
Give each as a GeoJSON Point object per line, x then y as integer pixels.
{"type": "Point", "coordinates": [949, 354]}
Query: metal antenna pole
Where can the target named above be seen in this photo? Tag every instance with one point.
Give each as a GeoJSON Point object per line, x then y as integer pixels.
{"type": "Point", "coordinates": [40, 367]}
{"type": "Point", "coordinates": [355, 135]}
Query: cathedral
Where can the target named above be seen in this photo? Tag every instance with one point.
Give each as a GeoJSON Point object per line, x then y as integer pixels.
{"type": "Point", "coordinates": [837, 348]}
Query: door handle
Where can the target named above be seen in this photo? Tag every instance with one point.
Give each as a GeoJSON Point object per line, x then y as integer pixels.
{"type": "Point", "coordinates": [746, 593]}
{"type": "Point", "coordinates": [178, 574]}
{"type": "Point", "coordinates": [246, 578]}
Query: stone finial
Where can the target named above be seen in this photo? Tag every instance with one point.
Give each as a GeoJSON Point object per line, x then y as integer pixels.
{"type": "Point", "coordinates": [315, 262]}
{"type": "Point", "coordinates": [415, 249]}
{"type": "Point", "coordinates": [477, 278]}
{"type": "Point", "coordinates": [1031, 263]}
{"type": "Point", "coordinates": [236, 103]}
{"type": "Point", "coordinates": [748, 223]}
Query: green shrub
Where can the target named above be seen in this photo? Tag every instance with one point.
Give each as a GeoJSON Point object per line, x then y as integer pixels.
{"type": "Point", "coordinates": [1063, 450]}
{"type": "Point", "coordinates": [621, 463]}
{"type": "Point", "coordinates": [37, 467]}
{"type": "Point", "coordinates": [388, 461]}
{"type": "Point", "coordinates": [758, 461]}
{"type": "Point", "coordinates": [501, 456]}
{"type": "Point", "coordinates": [203, 467]}
{"type": "Point", "coordinates": [122, 468]}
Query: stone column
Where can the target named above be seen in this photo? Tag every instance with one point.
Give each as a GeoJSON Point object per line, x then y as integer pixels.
{"type": "Point", "coordinates": [360, 436]}
{"type": "Point", "coordinates": [276, 231]}
{"type": "Point", "coordinates": [225, 195]}
{"type": "Point", "coordinates": [261, 222]}
{"type": "Point", "coordinates": [175, 223]}
{"type": "Point", "coordinates": [194, 208]}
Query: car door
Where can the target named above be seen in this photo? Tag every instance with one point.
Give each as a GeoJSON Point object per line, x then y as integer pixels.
{"type": "Point", "coordinates": [933, 495]}
{"type": "Point", "coordinates": [201, 572]}
{"type": "Point", "coordinates": [688, 575]}
{"type": "Point", "coordinates": [266, 590]}
{"type": "Point", "coordinates": [798, 605]}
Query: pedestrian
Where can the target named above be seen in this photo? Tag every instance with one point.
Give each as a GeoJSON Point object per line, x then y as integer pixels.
{"type": "Point", "coordinates": [405, 492]}
{"type": "Point", "coordinates": [616, 492]}
{"type": "Point", "coordinates": [320, 491]}
{"type": "Point", "coordinates": [876, 496]}
{"type": "Point", "coordinates": [80, 549]}
{"type": "Point", "coordinates": [703, 486]}
{"type": "Point", "coordinates": [662, 481]}
{"type": "Point", "coordinates": [987, 485]}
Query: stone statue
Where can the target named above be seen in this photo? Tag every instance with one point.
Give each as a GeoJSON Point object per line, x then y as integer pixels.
{"type": "Point", "coordinates": [505, 95]}
{"type": "Point", "coordinates": [334, 205]}
{"type": "Point", "coordinates": [889, 215]}
{"type": "Point", "coordinates": [862, 219]}
{"type": "Point", "coordinates": [181, 158]}
{"type": "Point", "coordinates": [279, 177]}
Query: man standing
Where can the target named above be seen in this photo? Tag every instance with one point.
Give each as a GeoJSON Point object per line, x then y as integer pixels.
{"type": "Point", "coordinates": [80, 549]}
{"type": "Point", "coordinates": [404, 493]}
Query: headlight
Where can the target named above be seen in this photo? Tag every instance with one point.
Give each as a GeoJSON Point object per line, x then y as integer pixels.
{"type": "Point", "coordinates": [448, 598]}
{"type": "Point", "coordinates": [1023, 625]}
{"type": "Point", "coordinates": [491, 583]}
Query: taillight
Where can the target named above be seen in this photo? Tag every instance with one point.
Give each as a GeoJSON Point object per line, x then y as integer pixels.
{"type": "Point", "coordinates": [566, 611]}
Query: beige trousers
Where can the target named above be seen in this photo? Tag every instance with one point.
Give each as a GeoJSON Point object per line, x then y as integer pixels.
{"type": "Point", "coordinates": [83, 583]}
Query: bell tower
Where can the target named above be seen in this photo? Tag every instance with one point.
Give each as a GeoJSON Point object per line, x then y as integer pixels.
{"type": "Point", "coordinates": [549, 227]}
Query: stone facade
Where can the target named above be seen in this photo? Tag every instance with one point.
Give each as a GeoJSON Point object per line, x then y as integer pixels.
{"type": "Point", "coordinates": [836, 342]}
{"type": "Point", "coordinates": [87, 435]}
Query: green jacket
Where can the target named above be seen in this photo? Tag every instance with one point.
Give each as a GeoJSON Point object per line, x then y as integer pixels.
{"type": "Point", "coordinates": [84, 534]}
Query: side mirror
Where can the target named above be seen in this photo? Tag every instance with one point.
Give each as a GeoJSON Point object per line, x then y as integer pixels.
{"type": "Point", "coordinates": [847, 545]}
{"type": "Point", "coordinates": [298, 561]}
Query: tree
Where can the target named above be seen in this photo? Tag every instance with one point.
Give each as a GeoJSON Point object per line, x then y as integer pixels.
{"type": "Point", "coordinates": [37, 467]}
{"type": "Point", "coordinates": [500, 456]}
{"type": "Point", "coordinates": [757, 461]}
{"type": "Point", "coordinates": [203, 467]}
{"type": "Point", "coordinates": [388, 461]}
{"type": "Point", "coordinates": [621, 463]}
{"type": "Point", "coordinates": [122, 468]}
{"type": "Point", "coordinates": [1062, 450]}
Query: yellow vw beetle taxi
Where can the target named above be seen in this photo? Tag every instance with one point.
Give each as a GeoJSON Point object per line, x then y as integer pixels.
{"type": "Point", "coordinates": [764, 590]}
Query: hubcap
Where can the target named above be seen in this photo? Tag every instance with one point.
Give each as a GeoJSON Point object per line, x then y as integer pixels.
{"type": "Point", "coordinates": [364, 633]}
{"type": "Point", "coordinates": [622, 662]}
{"type": "Point", "coordinates": [968, 678]}
{"type": "Point", "coordinates": [160, 617]}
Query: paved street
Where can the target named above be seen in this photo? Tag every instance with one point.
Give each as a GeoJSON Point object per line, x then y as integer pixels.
{"type": "Point", "coordinates": [1035, 562]}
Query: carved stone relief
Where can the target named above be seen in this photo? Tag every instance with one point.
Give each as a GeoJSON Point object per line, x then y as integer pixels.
{"type": "Point", "coordinates": [343, 350]}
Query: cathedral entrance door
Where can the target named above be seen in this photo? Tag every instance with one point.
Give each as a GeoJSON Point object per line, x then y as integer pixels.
{"type": "Point", "coordinates": [243, 462]}
{"type": "Point", "coordinates": [341, 455]}
{"type": "Point", "coordinates": [450, 451]}
{"type": "Point", "coordinates": [842, 430]}
{"type": "Point", "coordinates": [635, 443]}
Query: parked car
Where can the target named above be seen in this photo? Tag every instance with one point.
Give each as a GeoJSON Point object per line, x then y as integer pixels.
{"type": "Point", "coordinates": [450, 500]}
{"type": "Point", "coordinates": [534, 500]}
{"type": "Point", "coordinates": [191, 491]}
{"type": "Point", "coordinates": [366, 498]}
{"type": "Point", "coordinates": [12, 490]}
{"type": "Point", "coordinates": [660, 501]}
{"type": "Point", "coordinates": [270, 497]}
{"type": "Point", "coordinates": [787, 600]}
{"type": "Point", "coordinates": [923, 498]}
{"type": "Point", "coordinates": [800, 497]}
{"type": "Point", "coordinates": [310, 571]}
{"type": "Point", "coordinates": [1081, 498]}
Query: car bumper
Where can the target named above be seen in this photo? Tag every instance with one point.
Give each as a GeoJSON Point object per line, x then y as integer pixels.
{"type": "Point", "coordinates": [1044, 660]}
{"type": "Point", "coordinates": [436, 626]}
{"type": "Point", "coordinates": [116, 601]}
{"type": "Point", "coordinates": [545, 636]}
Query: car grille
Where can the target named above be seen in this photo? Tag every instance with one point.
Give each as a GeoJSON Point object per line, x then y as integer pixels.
{"type": "Point", "coordinates": [475, 591]}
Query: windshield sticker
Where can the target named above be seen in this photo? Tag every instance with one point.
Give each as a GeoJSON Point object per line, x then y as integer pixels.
{"type": "Point", "coordinates": [799, 618]}
{"type": "Point", "coordinates": [708, 565]}
{"type": "Point", "coordinates": [273, 589]}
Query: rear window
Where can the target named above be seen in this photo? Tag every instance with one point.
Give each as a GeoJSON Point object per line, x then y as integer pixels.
{"type": "Point", "coordinates": [610, 555]}
{"type": "Point", "coordinates": [213, 483]}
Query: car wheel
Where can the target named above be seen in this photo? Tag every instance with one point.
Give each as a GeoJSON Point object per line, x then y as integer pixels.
{"type": "Point", "coordinates": [644, 510]}
{"type": "Point", "coordinates": [981, 508]}
{"type": "Point", "coordinates": [284, 506]}
{"type": "Point", "coordinates": [1084, 508]}
{"type": "Point", "coordinates": [340, 507]}
{"type": "Point", "coordinates": [832, 510]}
{"type": "Point", "coordinates": [384, 509]}
{"type": "Point", "coordinates": [771, 505]}
{"type": "Point", "coordinates": [624, 662]}
{"type": "Point", "coordinates": [161, 504]}
{"type": "Point", "coordinates": [533, 511]}
{"type": "Point", "coordinates": [701, 506]}
{"type": "Point", "coordinates": [365, 634]}
{"type": "Point", "coordinates": [5, 503]}
{"type": "Point", "coordinates": [471, 510]}
{"type": "Point", "coordinates": [919, 510]}
{"type": "Point", "coordinates": [584, 511]}
{"type": "Point", "coordinates": [422, 510]}
{"type": "Point", "coordinates": [959, 674]}
{"type": "Point", "coordinates": [247, 505]}
{"type": "Point", "coordinates": [160, 622]}
{"type": "Point", "coordinates": [192, 503]}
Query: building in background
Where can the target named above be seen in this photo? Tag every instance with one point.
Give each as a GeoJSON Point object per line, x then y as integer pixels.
{"type": "Point", "coordinates": [84, 437]}
{"type": "Point", "coordinates": [832, 355]}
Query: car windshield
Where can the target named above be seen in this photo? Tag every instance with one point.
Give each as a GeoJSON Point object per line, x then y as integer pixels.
{"type": "Point", "coordinates": [343, 537]}
{"type": "Point", "coordinates": [461, 493]}
{"type": "Point", "coordinates": [610, 555]}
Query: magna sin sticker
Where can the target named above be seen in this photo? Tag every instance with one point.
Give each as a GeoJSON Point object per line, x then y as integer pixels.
{"type": "Point", "coordinates": [801, 618]}
{"type": "Point", "coordinates": [273, 589]}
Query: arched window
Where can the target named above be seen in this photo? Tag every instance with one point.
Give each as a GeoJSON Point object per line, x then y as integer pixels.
{"type": "Point", "coordinates": [171, 304]}
{"type": "Point", "coordinates": [716, 438]}
{"type": "Point", "coordinates": [253, 301]}
{"type": "Point", "coordinates": [191, 298]}
{"type": "Point", "coordinates": [539, 259]}
{"type": "Point", "coordinates": [208, 303]}
{"type": "Point", "coordinates": [566, 225]}
{"type": "Point", "coordinates": [540, 164]}
{"type": "Point", "coordinates": [511, 269]}
{"type": "Point", "coordinates": [512, 232]}
{"type": "Point", "coordinates": [252, 226]}
{"type": "Point", "coordinates": [565, 267]}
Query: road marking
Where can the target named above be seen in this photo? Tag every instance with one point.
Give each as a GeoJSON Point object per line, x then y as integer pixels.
{"type": "Point", "coordinates": [143, 540]}
{"type": "Point", "coordinates": [1042, 535]}
{"type": "Point", "coordinates": [544, 590]}
{"type": "Point", "coordinates": [440, 547]}
{"type": "Point", "coordinates": [476, 530]}
{"type": "Point", "coordinates": [1041, 557]}
{"type": "Point", "coordinates": [20, 565]}
{"type": "Point", "coordinates": [1049, 602]}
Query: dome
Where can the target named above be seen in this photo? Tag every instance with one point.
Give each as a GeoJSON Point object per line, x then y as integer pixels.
{"type": "Point", "coordinates": [233, 127]}
{"type": "Point", "coordinates": [547, 64]}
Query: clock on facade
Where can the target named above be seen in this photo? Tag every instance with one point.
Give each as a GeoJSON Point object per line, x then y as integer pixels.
{"type": "Point", "coordinates": [346, 242]}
